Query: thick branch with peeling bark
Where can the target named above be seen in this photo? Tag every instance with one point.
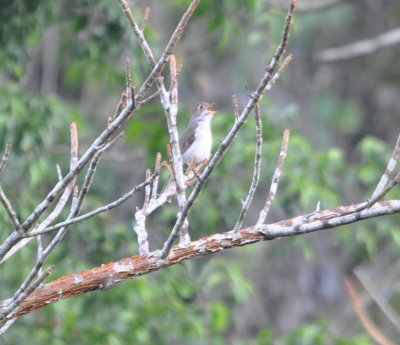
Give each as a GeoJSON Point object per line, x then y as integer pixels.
{"type": "Point", "coordinates": [107, 275]}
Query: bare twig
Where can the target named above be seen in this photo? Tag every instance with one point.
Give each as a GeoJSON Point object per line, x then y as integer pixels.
{"type": "Point", "coordinates": [170, 105]}
{"type": "Point", "coordinates": [255, 97]}
{"type": "Point", "coordinates": [275, 179]}
{"type": "Point", "coordinates": [138, 32]}
{"type": "Point", "coordinates": [386, 182]}
{"type": "Point", "coordinates": [140, 217]}
{"type": "Point", "coordinates": [256, 172]}
{"type": "Point", "coordinates": [145, 18]}
{"type": "Point", "coordinates": [148, 99]}
{"type": "Point", "coordinates": [5, 156]}
{"type": "Point", "coordinates": [369, 326]}
{"type": "Point", "coordinates": [159, 66]}
{"type": "Point", "coordinates": [12, 215]}
{"type": "Point", "coordinates": [389, 170]}
{"type": "Point", "coordinates": [235, 107]}
{"type": "Point", "coordinates": [157, 167]}
{"type": "Point", "coordinates": [92, 169]}
{"type": "Point", "coordinates": [277, 75]}
{"type": "Point", "coordinates": [59, 174]}
{"type": "Point", "coordinates": [363, 47]}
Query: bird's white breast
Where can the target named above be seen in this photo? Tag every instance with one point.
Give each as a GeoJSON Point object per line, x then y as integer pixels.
{"type": "Point", "coordinates": [201, 146]}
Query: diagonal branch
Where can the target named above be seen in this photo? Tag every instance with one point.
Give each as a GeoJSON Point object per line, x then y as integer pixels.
{"type": "Point", "coordinates": [129, 268]}
{"type": "Point", "coordinates": [389, 170]}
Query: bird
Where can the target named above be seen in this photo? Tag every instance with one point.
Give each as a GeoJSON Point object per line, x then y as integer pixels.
{"type": "Point", "coordinates": [196, 141]}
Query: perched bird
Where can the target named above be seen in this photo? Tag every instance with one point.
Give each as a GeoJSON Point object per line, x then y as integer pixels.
{"type": "Point", "coordinates": [196, 141]}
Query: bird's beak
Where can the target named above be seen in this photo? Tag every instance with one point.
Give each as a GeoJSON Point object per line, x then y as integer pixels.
{"type": "Point", "coordinates": [210, 109]}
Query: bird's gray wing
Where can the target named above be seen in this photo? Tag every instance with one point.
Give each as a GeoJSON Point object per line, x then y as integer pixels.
{"type": "Point", "coordinates": [187, 139]}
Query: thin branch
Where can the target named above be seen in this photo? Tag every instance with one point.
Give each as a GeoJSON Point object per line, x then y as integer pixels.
{"type": "Point", "coordinates": [138, 32]}
{"type": "Point", "coordinates": [145, 18]}
{"type": "Point", "coordinates": [131, 267]}
{"type": "Point", "coordinates": [359, 48]}
{"type": "Point", "coordinates": [255, 97]}
{"type": "Point", "coordinates": [157, 167]}
{"type": "Point", "coordinates": [12, 215]}
{"type": "Point", "coordinates": [5, 156]}
{"type": "Point", "coordinates": [275, 179]}
{"type": "Point", "coordinates": [140, 217]}
{"type": "Point", "coordinates": [159, 66]}
{"type": "Point", "coordinates": [277, 75]}
{"type": "Point", "coordinates": [59, 174]}
{"type": "Point", "coordinates": [389, 170]}
{"type": "Point", "coordinates": [148, 99]}
{"type": "Point", "coordinates": [92, 169]}
{"type": "Point", "coordinates": [369, 326]}
{"type": "Point", "coordinates": [235, 107]}
{"type": "Point", "coordinates": [169, 101]}
{"type": "Point", "coordinates": [256, 171]}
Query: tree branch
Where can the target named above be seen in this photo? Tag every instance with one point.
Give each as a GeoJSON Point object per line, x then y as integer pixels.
{"type": "Point", "coordinates": [107, 275]}
{"type": "Point", "coordinates": [363, 47]}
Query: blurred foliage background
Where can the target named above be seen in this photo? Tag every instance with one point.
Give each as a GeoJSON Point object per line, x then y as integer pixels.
{"type": "Point", "coordinates": [62, 61]}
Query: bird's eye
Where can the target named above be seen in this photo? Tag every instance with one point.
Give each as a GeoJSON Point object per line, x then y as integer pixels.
{"type": "Point", "coordinates": [200, 107]}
